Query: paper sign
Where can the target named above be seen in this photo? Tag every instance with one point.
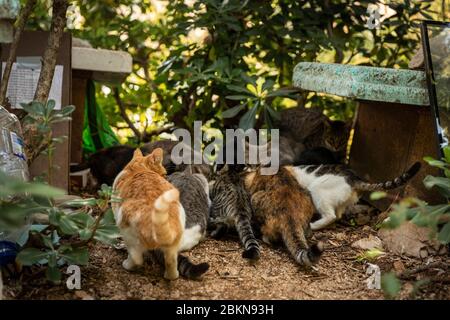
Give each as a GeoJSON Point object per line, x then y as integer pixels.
{"type": "Point", "coordinates": [23, 82]}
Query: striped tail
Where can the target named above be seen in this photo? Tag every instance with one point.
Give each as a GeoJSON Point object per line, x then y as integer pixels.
{"type": "Point", "coordinates": [161, 213]}
{"type": "Point", "coordinates": [245, 231]}
{"type": "Point", "coordinates": [186, 268]}
{"type": "Point", "coordinates": [297, 245]}
{"type": "Point", "coordinates": [391, 184]}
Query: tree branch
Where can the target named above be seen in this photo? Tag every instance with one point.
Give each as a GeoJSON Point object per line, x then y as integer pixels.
{"type": "Point", "coordinates": [54, 41]}
{"type": "Point", "coordinates": [21, 20]}
{"type": "Point", "coordinates": [148, 135]}
{"type": "Point", "coordinates": [124, 115]}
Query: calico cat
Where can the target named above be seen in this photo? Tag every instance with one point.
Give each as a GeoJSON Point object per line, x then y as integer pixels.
{"type": "Point", "coordinates": [231, 208]}
{"type": "Point", "coordinates": [334, 188]}
{"type": "Point", "coordinates": [283, 210]}
{"type": "Point", "coordinates": [150, 215]}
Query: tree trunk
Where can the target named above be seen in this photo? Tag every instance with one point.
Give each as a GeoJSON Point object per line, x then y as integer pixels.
{"type": "Point", "coordinates": [21, 20]}
{"type": "Point", "coordinates": [51, 52]}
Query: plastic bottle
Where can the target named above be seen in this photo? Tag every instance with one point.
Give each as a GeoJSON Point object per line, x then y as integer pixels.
{"type": "Point", "coordinates": [13, 164]}
{"type": "Point", "coordinates": [12, 157]}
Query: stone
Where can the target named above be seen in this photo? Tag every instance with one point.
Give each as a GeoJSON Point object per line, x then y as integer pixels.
{"type": "Point", "coordinates": [399, 267]}
{"type": "Point", "coordinates": [409, 239]}
{"type": "Point", "coordinates": [83, 295]}
{"type": "Point", "coordinates": [368, 243]}
{"type": "Point", "coordinates": [364, 83]}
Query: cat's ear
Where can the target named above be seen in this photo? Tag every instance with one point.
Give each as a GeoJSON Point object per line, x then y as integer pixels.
{"type": "Point", "coordinates": [157, 156]}
{"type": "Point", "coordinates": [137, 153]}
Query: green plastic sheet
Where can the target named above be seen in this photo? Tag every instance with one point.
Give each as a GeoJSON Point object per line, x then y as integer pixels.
{"type": "Point", "coordinates": [97, 133]}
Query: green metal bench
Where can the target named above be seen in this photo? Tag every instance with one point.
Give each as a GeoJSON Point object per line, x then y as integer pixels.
{"type": "Point", "coordinates": [394, 124]}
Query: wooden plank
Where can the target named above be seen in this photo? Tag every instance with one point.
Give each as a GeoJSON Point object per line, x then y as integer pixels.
{"type": "Point", "coordinates": [33, 43]}
{"type": "Point", "coordinates": [388, 139]}
{"type": "Point", "coordinates": [78, 100]}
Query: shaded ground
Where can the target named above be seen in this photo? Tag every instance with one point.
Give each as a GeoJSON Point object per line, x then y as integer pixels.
{"type": "Point", "coordinates": [337, 276]}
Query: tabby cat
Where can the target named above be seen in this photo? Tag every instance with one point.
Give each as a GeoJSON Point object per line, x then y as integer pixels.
{"type": "Point", "coordinates": [231, 208]}
{"type": "Point", "coordinates": [283, 210]}
{"type": "Point", "coordinates": [150, 215]}
{"type": "Point", "coordinates": [334, 188]}
{"type": "Point", "coordinates": [308, 128]}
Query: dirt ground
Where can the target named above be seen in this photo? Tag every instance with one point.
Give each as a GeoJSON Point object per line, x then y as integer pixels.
{"type": "Point", "coordinates": [338, 275]}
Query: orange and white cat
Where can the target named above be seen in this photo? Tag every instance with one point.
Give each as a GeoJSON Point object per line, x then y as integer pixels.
{"type": "Point", "coordinates": [149, 214]}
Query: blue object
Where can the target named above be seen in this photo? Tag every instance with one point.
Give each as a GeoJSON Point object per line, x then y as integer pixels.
{"type": "Point", "coordinates": [8, 252]}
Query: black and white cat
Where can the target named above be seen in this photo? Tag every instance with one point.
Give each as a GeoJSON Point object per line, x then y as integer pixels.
{"type": "Point", "coordinates": [334, 188]}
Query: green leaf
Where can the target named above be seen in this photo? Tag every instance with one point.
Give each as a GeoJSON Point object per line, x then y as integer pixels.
{"type": "Point", "coordinates": [30, 256]}
{"type": "Point", "coordinates": [82, 219]}
{"type": "Point", "coordinates": [67, 226]}
{"type": "Point", "coordinates": [390, 284]}
{"type": "Point", "coordinates": [238, 97]}
{"type": "Point", "coordinates": [78, 256]}
{"type": "Point", "coordinates": [249, 118]}
{"type": "Point", "coordinates": [377, 195]}
{"type": "Point", "coordinates": [108, 218]}
{"type": "Point", "coordinates": [249, 79]}
{"type": "Point", "coordinates": [282, 92]}
{"type": "Point", "coordinates": [434, 162]}
{"type": "Point", "coordinates": [38, 189]}
{"type": "Point", "coordinates": [67, 110]}
{"type": "Point", "coordinates": [274, 114]}
{"type": "Point", "coordinates": [232, 112]}
{"type": "Point", "coordinates": [447, 154]}
{"type": "Point", "coordinates": [441, 183]}
{"type": "Point", "coordinates": [107, 234]}
{"type": "Point", "coordinates": [239, 89]}
{"type": "Point", "coordinates": [50, 106]}
{"type": "Point", "coordinates": [81, 202]}
{"type": "Point", "coordinates": [444, 234]}
{"type": "Point", "coordinates": [34, 108]}
{"type": "Point", "coordinates": [53, 274]}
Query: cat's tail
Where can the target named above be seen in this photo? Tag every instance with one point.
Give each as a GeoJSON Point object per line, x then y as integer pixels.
{"type": "Point", "coordinates": [190, 270]}
{"type": "Point", "coordinates": [245, 231]}
{"type": "Point", "coordinates": [186, 267]}
{"type": "Point", "coordinates": [297, 245]}
{"type": "Point", "coordinates": [390, 184]}
{"type": "Point", "coordinates": [161, 213]}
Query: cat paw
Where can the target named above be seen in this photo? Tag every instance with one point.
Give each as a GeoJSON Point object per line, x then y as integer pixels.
{"type": "Point", "coordinates": [128, 264]}
{"type": "Point", "coordinates": [219, 232]}
{"type": "Point", "coordinates": [314, 226]}
{"type": "Point", "coordinates": [266, 240]}
{"type": "Point", "coordinates": [171, 275]}
{"type": "Point", "coordinates": [251, 254]}
{"type": "Point", "coordinates": [196, 271]}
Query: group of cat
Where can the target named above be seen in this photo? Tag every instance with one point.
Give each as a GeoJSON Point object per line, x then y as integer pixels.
{"type": "Point", "coordinates": [170, 213]}
{"type": "Point", "coordinates": [168, 208]}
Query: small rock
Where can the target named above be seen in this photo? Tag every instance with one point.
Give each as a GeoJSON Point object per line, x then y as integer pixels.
{"type": "Point", "coordinates": [362, 219]}
{"type": "Point", "coordinates": [83, 295]}
{"type": "Point", "coordinates": [340, 236]}
{"type": "Point", "coordinates": [408, 239]}
{"type": "Point", "coordinates": [368, 243]}
{"type": "Point", "coordinates": [399, 267]}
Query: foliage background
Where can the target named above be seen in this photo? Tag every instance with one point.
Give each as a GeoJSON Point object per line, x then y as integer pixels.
{"type": "Point", "coordinates": [192, 60]}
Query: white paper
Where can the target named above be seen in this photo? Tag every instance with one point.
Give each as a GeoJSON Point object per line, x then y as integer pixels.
{"type": "Point", "coordinates": [23, 82]}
